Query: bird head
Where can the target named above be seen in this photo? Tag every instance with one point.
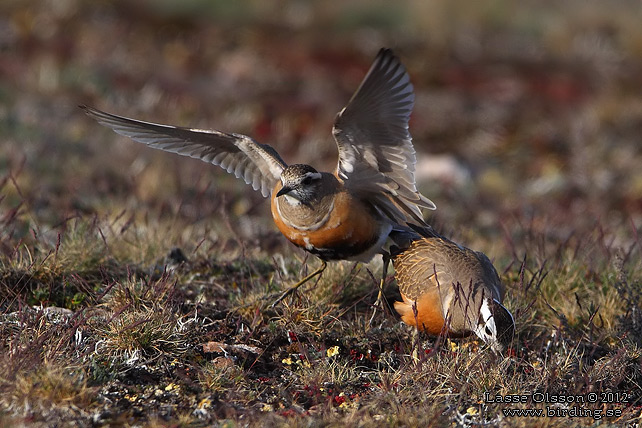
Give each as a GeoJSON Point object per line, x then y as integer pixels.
{"type": "Point", "coordinates": [496, 326]}
{"type": "Point", "coordinates": [299, 183]}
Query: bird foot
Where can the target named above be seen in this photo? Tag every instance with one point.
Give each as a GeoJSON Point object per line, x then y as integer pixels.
{"type": "Point", "coordinates": [292, 289]}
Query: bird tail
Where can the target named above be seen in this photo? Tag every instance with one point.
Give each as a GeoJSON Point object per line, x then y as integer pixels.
{"type": "Point", "coordinates": [404, 236]}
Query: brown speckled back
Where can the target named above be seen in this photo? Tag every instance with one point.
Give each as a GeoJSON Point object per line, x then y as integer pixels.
{"type": "Point", "coordinates": [440, 275]}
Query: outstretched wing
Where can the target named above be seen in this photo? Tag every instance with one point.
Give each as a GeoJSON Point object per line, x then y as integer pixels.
{"type": "Point", "coordinates": [375, 146]}
{"type": "Point", "coordinates": [258, 164]}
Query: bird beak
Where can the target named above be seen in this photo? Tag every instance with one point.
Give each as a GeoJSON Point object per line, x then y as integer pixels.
{"type": "Point", "coordinates": [497, 347]}
{"type": "Point", "coordinates": [284, 191]}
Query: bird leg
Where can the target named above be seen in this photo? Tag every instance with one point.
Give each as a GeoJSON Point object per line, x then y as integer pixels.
{"type": "Point", "coordinates": [379, 302]}
{"type": "Point", "coordinates": [290, 290]}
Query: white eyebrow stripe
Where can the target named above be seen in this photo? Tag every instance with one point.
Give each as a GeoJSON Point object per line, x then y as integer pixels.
{"type": "Point", "coordinates": [313, 175]}
{"type": "Point", "coordinates": [485, 311]}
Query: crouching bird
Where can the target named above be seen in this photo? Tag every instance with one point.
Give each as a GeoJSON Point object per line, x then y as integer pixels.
{"type": "Point", "coordinates": [343, 215]}
{"type": "Point", "coordinates": [448, 289]}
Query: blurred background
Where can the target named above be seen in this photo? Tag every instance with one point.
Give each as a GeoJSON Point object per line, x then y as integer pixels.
{"type": "Point", "coordinates": [528, 114]}
{"type": "Point", "coordinates": [527, 126]}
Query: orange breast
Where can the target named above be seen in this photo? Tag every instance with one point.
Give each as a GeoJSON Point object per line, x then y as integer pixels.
{"type": "Point", "coordinates": [428, 317]}
{"type": "Point", "coordinates": [351, 230]}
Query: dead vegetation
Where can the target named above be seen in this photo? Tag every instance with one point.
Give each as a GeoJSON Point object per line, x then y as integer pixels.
{"type": "Point", "coordinates": [135, 287]}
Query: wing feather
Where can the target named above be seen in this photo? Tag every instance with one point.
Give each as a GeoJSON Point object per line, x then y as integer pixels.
{"type": "Point", "coordinates": [257, 164]}
{"type": "Point", "coordinates": [376, 154]}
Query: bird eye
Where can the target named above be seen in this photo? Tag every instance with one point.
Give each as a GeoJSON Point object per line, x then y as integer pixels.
{"type": "Point", "coordinates": [488, 332]}
{"type": "Point", "coordinates": [307, 180]}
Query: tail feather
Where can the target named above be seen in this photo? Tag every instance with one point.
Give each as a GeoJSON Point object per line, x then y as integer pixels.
{"type": "Point", "coordinates": [404, 236]}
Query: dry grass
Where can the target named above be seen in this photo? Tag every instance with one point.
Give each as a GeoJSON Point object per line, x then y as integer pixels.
{"type": "Point", "coordinates": [103, 322]}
